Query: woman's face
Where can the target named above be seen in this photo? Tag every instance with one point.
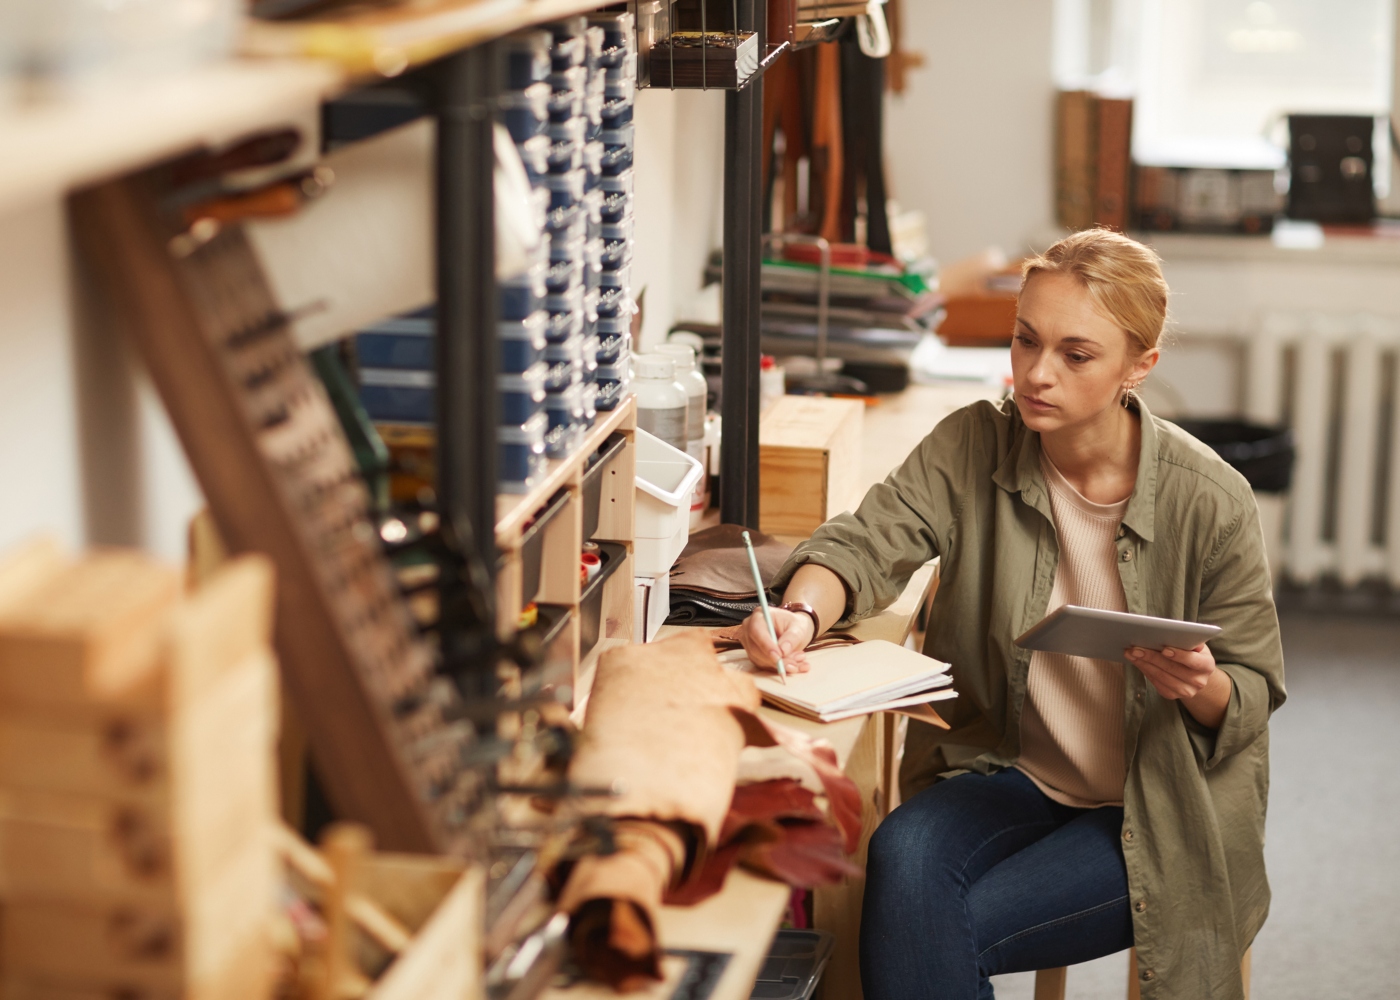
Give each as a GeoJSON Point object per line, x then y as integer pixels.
{"type": "Point", "coordinates": [1069, 361]}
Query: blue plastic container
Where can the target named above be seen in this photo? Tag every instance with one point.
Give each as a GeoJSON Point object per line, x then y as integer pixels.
{"type": "Point", "coordinates": [401, 342]}
{"type": "Point", "coordinates": [522, 296]}
{"type": "Point", "coordinates": [522, 341]}
{"type": "Point", "coordinates": [522, 395]}
{"type": "Point", "coordinates": [525, 58]}
{"type": "Point", "coordinates": [521, 456]}
{"type": "Point", "coordinates": [611, 348]}
{"type": "Point", "coordinates": [398, 395]}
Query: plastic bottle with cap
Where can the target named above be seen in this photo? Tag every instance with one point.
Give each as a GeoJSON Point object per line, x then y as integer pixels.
{"type": "Point", "coordinates": [661, 400]}
{"type": "Point", "coordinates": [697, 391]}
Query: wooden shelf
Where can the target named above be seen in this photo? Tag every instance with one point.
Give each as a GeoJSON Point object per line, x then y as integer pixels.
{"type": "Point", "coordinates": [50, 149]}
{"type": "Point", "coordinates": [389, 42]}
{"type": "Point", "coordinates": [514, 509]}
{"type": "Point", "coordinates": [289, 68]}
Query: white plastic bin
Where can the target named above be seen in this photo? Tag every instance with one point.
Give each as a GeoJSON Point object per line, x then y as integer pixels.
{"type": "Point", "coordinates": [666, 478]}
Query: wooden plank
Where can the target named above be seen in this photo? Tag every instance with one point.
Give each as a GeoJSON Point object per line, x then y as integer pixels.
{"type": "Point", "coordinates": [54, 148]}
{"type": "Point", "coordinates": [388, 42]}
{"type": "Point", "coordinates": [445, 960]}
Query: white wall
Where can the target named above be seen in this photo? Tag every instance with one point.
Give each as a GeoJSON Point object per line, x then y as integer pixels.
{"type": "Point", "coordinates": [680, 189]}
{"type": "Point", "coordinates": [970, 141]}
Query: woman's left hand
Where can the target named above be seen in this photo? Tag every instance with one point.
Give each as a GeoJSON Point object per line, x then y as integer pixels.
{"type": "Point", "coordinates": [1177, 674]}
{"type": "Point", "coordinates": [1189, 676]}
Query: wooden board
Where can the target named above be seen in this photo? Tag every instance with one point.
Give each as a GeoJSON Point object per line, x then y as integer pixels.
{"type": "Point", "coordinates": [274, 464]}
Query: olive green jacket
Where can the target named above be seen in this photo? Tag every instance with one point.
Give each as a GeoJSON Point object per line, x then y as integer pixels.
{"type": "Point", "coordinates": [1190, 547]}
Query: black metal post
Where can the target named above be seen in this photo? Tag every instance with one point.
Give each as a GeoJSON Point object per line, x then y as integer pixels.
{"type": "Point", "coordinates": [467, 360]}
{"type": "Point", "coordinates": [743, 225]}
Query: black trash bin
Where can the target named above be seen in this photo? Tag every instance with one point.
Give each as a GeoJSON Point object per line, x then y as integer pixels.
{"type": "Point", "coordinates": [1263, 455]}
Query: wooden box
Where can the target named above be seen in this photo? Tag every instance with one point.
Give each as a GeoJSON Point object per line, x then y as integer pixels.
{"type": "Point", "coordinates": [809, 462]}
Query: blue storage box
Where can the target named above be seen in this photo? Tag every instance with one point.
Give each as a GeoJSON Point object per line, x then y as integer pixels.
{"type": "Point", "coordinates": [521, 296]}
{"type": "Point", "coordinates": [525, 113]}
{"type": "Point", "coordinates": [521, 456]}
{"type": "Point", "coordinates": [398, 395]}
{"type": "Point", "coordinates": [564, 325]}
{"type": "Point", "coordinates": [562, 374]}
{"type": "Point", "coordinates": [565, 406]}
{"type": "Point", "coordinates": [609, 326]}
{"type": "Point", "coordinates": [615, 210]}
{"type": "Point", "coordinates": [564, 274]}
{"type": "Point", "coordinates": [614, 302]}
{"type": "Point", "coordinates": [401, 342]}
{"type": "Point", "coordinates": [522, 341]}
{"type": "Point", "coordinates": [525, 58]}
{"type": "Point", "coordinates": [568, 301]}
{"type": "Point", "coordinates": [616, 253]}
{"type": "Point", "coordinates": [622, 182]}
{"type": "Point", "coordinates": [570, 349]}
{"type": "Point", "coordinates": [619, 278]}
{"type": "Point", "coordinates": [611, 393]}
{"type": "Point", "coordinates": [611, 347]}
{"type": "Point", "coordinates": [616, 112]}
{"type": "Point", "coordinates": [522, 394]}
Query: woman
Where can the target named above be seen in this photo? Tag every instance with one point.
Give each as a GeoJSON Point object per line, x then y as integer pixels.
{"type": "Point", "coordinates": [1076, 807]}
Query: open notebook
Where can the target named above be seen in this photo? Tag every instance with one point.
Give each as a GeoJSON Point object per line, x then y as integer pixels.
{"type": "Point", "coordinates": [846, 681]}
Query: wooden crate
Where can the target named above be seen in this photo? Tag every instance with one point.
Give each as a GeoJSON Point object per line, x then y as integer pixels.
{"type": "Point", "coordinates": [137, 779]}
{"type": "Point", "coordinates": [809, 462]}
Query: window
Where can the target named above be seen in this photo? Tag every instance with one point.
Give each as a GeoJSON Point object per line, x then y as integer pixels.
{"type": "Point", "coordinates": [1213, 80]}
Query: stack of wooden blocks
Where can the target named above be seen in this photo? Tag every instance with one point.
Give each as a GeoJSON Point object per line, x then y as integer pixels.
{"type": "Point", "coordinates": [137, 731]}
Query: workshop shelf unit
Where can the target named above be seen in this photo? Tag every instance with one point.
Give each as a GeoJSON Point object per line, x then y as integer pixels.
{"type": "Point", "coordinates": [597, 618]}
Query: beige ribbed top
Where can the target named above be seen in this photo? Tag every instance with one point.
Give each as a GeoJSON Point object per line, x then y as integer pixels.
{"type": "Point", "coordinates": [1072, 720]}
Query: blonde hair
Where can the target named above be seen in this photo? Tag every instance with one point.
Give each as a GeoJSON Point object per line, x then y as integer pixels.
{"type": "Point", "coordinates": [1123, 277]}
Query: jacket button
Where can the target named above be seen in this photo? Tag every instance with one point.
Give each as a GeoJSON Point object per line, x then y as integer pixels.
{"type": "Point", "coordinates": [1127, 555]}
{"type": "Point", "coordinates": [1127, 834]}
{"type": "Point", "coordinates": [1122, 531]}
{"type": "Point", "coordinates": [1139, 696]}
{"type": "Point", "coordinates": [1140, 905]}
{"type": "Point", "coordinates": [1148, 974]}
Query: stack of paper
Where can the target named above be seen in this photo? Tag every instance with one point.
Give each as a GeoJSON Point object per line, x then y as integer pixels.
{"type": "Point", "coordinates": [846, 681]}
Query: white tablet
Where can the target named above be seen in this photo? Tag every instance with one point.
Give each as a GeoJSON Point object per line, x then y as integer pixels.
{"type": "Point", "coordinates": [1103, 635]}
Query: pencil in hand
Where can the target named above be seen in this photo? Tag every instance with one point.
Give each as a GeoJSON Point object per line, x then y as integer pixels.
{"type": "Point", "coordinates": [763, 604]}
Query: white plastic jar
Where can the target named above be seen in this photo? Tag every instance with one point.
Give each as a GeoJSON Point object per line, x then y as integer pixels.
{"type": "Point", "coordinates": [662, 402]}
{"type": "Point", "coordinates": [697, 393]}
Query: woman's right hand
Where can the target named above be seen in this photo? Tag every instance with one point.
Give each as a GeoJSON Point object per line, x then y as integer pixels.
{"type": "Point", "coordinates": [794, 633]}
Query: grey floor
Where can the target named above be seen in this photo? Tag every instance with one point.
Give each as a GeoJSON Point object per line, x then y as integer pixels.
{"type": "Point", "coordinates": [1333, 845]}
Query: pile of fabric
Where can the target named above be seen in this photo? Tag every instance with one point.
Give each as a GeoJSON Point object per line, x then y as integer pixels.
{"type": "Point", "coordinates": [666, 725]}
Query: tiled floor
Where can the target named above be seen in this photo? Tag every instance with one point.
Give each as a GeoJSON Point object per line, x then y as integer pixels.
{"type": "Point", "coordinates": [1334, 825]}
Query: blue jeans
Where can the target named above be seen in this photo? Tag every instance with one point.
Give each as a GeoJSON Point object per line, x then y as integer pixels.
{"type": "Point", "coordinates": [979, 876]}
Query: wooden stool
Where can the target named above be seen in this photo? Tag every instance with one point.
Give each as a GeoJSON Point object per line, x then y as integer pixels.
{"type": "Point", "coordinates": [1050, 983]}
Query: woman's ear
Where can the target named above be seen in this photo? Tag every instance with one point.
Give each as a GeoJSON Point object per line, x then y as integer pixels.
{"type": "Point", "coordinates": [1144, 365]}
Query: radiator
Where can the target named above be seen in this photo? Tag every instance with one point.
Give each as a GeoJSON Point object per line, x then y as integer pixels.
{"type": "Point", "coordinates": [1333, 378]}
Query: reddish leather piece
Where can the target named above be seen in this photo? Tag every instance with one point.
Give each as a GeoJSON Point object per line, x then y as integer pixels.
{"type": "Point", "coordinates": [842, 795]}
{"type": "Point", "coordinates": [806, 855]}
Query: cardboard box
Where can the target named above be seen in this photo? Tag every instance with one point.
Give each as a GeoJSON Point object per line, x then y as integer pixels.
{"type": "Point", "coordinates": [809, 462]}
